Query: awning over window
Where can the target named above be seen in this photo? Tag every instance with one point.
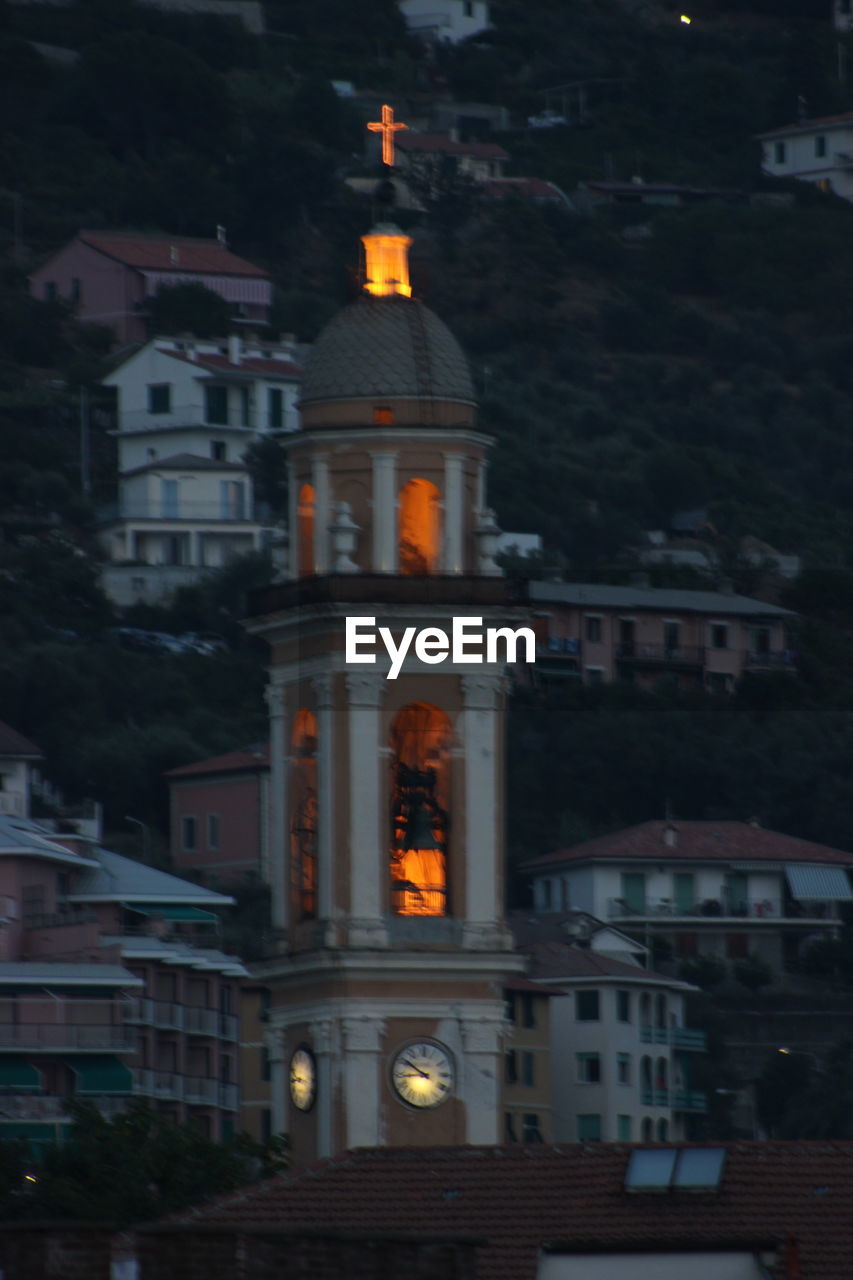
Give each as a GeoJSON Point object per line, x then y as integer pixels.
{"type": "Point", "coordinates": [819, 884]}
{"type": "Point", "coordinates": [18, 1075]}
{"type": "Point", "coordinates": [170, 912]}
{"type": "Point", "coordinates": [100, 1073]}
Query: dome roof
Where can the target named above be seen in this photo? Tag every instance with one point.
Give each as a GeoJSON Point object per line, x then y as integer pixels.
{"type": "Point", "coordinates": [387, 347]}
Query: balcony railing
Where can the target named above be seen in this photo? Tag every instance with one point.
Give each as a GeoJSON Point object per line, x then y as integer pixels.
{"type": "Point", "coordinates": [195, 1090]}
{"type": "Point", "coordinates": [777, 660]}
{"type": "Point", "coordinates": [680, 655]}
{"type": "Point", "coordinates": [177, 1017]}
{"type": "Point", "coordinates": [231, 512]}
{"type": "Point", "coordinates": [678, 1037]}
{"type": "Point", "coordinates": [689, 1100]}
{"type": "Point", "coordinates": [655, 1097]}
{"type": "Point", "coordinates": [185, 415]}
{"type": "Point", "coordinates": [229, 1097]}
{"type": "Point", "coordinates": [753, 909]}
{"type": "Point", "coordinates": [60, 919]}
{"type": "Point", "coordinates": [198, 1089]}
{"type": "Point", "coordinates": [37, 1036]}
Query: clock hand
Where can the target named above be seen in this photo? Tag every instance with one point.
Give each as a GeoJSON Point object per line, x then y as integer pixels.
{"type": "Point", "coordinates": [425, 1074]}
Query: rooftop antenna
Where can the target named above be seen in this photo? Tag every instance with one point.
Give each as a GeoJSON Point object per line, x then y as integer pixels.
{"type": "Point", "coordinates": [220, 235]}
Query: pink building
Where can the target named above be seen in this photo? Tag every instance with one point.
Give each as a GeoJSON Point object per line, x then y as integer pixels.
{"type": "Point", "coordinates": [108, 276]}
{"type": "Point", "coordinates": [111, 986]}
{"type": "Point", "coordinates": [219, 811]}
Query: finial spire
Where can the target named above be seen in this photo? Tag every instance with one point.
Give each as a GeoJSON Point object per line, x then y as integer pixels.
{"type": "Point", "coordinates": [387, 126]}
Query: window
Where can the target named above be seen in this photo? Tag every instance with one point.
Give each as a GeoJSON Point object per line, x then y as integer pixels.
{"type": "Point", "coordinates": [623, 1006]}
{"type": "Point", "coordinates": [528, 1010]}
{"type": "Point", "coordinates": [468, 6]}
{"type": "Point", "coordinates": [266, 1064]}
{"type": "Point", "coordinates": [219, 450]}
{"type": "Point", "coordinates": [510, 1006]}
{"type": "Point", "coordinates": [266, 1124]}
{"type": "Point", "coordinates": [592, 629]}
{"type": "Point", "coordinates": [420, 741]}
{"type": "Point", "coordinates": [719, 635]}
{"type": "Point", "coordinates": [232, 499]}
{"type": "Point", "coordinates": [383, 416]}
{"type": "Point", "coordinates": [623, 1128]}
{"type": "Point", "coordinates": [245, 407]}
{"type": "Point", "coordinates": [188, 834]}
{"type": "Point", "coordinates": [511, 1067]}
{"type": "Point", "coordinates": [213, 831]}
{"type": "Point", "coordinates": [589, 1068]}
{"type": "Point", "coordinates": [305, 528]}
{"type": "Point", "coordinates": [170, 497]}
{"type": "Point", "coordinates": [32, 901]}
{"type": "Point", "coordinates": [419, 524]}
{"type": "Point", "coordinates": [824, 185]}
{"type": "Point", "coordinates": [275, 408]}
{"type": "Point", "coordinates": [76, 290]}
{"type": "Point", "coordinates": [530, 1131]}
{"type": "Point", "coordinates": [586, 1006]}
{"type": "Point", "coordinates": [216, 405]}
{"type": "Point", "coordinates": [663, 1130]}
{"type": "Point", "coordinates": [160, 397]}
{"type": "Point", "coordinates": [820, 145]}
{"type": "Point", "coordinates": [528, 1069]}
{"type": "Point", "coordinates": [594, 675]}
{"type": "Point", "coordinates": [779, 153]}
{"type": "Point", "coordinates": [303, 802]}
{"type": "Point", "coordinates": [50, 291]}
{"type": "Point", "coordinates": [671, 636]}
{"type": "Point", "coordinates": [509, 1127]}
{"type": "Point", "coordinates": [623, 1068]}
{"type": "Point", "coordinates": [589, 1128]}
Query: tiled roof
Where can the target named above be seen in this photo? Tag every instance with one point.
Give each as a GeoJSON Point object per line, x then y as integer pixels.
{"type": "Point", "coordinates": [807, 126]}
{"type": "Point", "coordinates": [215, 362]}
{"type": "Point", "coordinates": [387, 346]}
{"type": "Point", "coordinates": [185, 462]}
{"type": "Point", "coordinates": [13, 743]}
{"type": "Point", "coordinates": [119, 879]}
{"type": "Point", "coordinates": [588, 594]}
{"type": "Point", "coordinates": [443, 145]}
{"type": "Point", "coordinates": [695, 842]}
{"type": "Point", "coordinates": [25, 837]}
{"type": "Point", "coordinates": [517, 1198]}
{"type": "Point", "coordinates": [536, 988]}
{"type": "Point", "coordinates": [155, 253]}
{"type": "Point", "coordinates": [250, 758]}
{"type": "Point", "coordinates": [555, 960]}
{"type": "Point", "coordinates": [55, 973]}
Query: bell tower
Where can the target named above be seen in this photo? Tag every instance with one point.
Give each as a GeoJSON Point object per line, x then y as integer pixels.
{"type": "Point", "coordinates": [387, 795]}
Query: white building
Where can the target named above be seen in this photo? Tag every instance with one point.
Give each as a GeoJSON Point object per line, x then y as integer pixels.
{"type": "Point", "coordinates": [817, 151]}
{"type": "Point", "coordinates": [452, 20]}
{"type": "Point", "coordinates": [843, 15]}
{"type": "Point", "coordinates": [188, 410]}
{"type": "Point", "coordinates": [726, 889]}
{"type": "Point", "coordinates": [623, 1051]}
{"type": "Point", "coordinates": [18, 756]}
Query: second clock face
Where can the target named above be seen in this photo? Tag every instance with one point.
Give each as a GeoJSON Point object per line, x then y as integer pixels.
{"type": "Point", "coordinates": [422, 1074]}
{"type": "Point", "coordinates": [303, 1079]}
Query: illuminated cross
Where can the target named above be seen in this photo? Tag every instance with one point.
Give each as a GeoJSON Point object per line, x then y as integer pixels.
{"type": "Point", "coordinates": [387, 126]}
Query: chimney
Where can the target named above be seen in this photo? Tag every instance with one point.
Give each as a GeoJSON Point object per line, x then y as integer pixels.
{"type": "Point", "coordinates": [220, 235]}
{"type": "Point", "coordinates": [670, 835]}
{"type": "Point", "coordinates": [234, 348]}
{"type": "Point", "coordinates": [174, 255]}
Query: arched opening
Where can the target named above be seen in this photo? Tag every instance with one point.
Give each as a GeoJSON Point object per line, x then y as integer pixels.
{"type": "Point", "coordinates": [660, 1011]}
{"type": "Point", "coordinates": [662, 1075]}
{"type": "Point", "coordinates": [646, 1074]}
{"type": "Point", "coordinates": [648, 1129]}
{"type": "Point", "coordinates": [663, 1130]}
{"type": "Point", "coordinates": [303, 823]}
{"type": "Point", "coordinates": [419, 527]}
{"type": "Point", "coordinates": [305, 530]}
{"type": "Point", "coordinates": [420, 804]}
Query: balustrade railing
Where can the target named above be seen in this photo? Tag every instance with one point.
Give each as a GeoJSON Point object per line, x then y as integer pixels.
{"type": "Point", "coordinates": [35, 1036]}
{"type": "Point", "coordinates": [757, 909]}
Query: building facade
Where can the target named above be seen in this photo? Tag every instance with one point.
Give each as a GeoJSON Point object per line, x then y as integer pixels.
{"type": "Point", "coordinates": [188, 409]}
{"type": "Point", "coordinates": [816, 151]}
{"type": "Point", "coordinates": [219, 816]}
{"type": "Point", "coordinates": [451, 20]}
{"type": "Point", "coordinates": [692, 639]}
{"type": "Point", "coordinates": [725, 889]}
{"type": "Point", "coordinates": [109, 277]}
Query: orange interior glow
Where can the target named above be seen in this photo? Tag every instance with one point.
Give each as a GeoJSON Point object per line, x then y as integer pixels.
{"type": "Point", "coordinates": [305, 524]}
{"type": "Point", "coordinates": [419, 527]}
{"type": "Point", "coordinates": [420, 738]}
{"type": "Point", "coordinates": [303, 825]}
{"type": "Point", "coordinates": [387, 262]}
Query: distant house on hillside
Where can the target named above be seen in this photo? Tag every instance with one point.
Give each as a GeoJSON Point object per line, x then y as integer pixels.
{"type": "Point", "coordinates": [451, 20]}
{"type": "Point", "coordinates": [843, 15]}
{"type": "Point", "coordinates": [593, 195]}
{"type": "Point", "coordinates": [220, 815]}
{"type": "Point", "coordinates": [109, 276]}
{"type": "Point", "coordinates": [188, 410]}
{"type": "Point", "coordinates": [425, 155]}
{"type": "Point", "coordinates": [818, 151]}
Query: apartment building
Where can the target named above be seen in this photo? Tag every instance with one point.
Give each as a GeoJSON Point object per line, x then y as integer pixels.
{"type": "Point", "coordinates": [219, 815]}
{"type": "Point", "coordinates": [819, 151]}
{"type": "Point", "coordinates": [691, 639]}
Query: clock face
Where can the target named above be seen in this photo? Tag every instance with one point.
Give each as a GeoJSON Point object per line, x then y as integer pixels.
{"type": "Point", "coordinates": [422, 1074]}
{"type": "Point", "coordinates": [303, 1079]}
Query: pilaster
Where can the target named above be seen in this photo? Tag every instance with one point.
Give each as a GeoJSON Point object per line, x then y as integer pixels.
{"type": "Point", "coordinates": [324, 697]}
{"type": "Point", "coordinates": [322, 513]}
{"type": "Point", "coordinates": [482, 835]}
{"type": "Point", "coordinates": [384, 511]}
{"type": "Point", "coordinates": [367, 836]}
{"type": "Point", "coordinates": [362, 1047]}
{"type": "Point", "coordinates": [453, 513]}
{"type": "Point", "coordinates": [483, 1048]}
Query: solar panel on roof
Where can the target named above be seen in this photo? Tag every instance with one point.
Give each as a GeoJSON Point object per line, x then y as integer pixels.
{"type": "Point", "coordinates": [699, 1168]}
{"type": "Point", "coordinates": [650, 1169]}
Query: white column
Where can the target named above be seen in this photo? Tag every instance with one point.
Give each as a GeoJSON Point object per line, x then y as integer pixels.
{"type": "Point", "coordinates": [322, 1045]}
{"type": "Point", "coordinates": [279, 850]}
{"type": "Point", "coordinates": [454, 515]}
{"type": "Point", "coordinates": [362, 1079]}
{"type": "Point", "coordinates": [322, 514]}
{"type": "Point", "coordinates": [384, 512]}
{"type": "Point", "coordinates": [482, 836]}
{"type": "Point", "coordinates": [481, 1079]}
{"type": "Point", "coordinates": [275, 1041]}
{"type": "Point", "coordinates": [368, 836]}
{"type": "Point", "coordinates": [324, 695]}
{"type": "Point", "coordinates": [194, 547]}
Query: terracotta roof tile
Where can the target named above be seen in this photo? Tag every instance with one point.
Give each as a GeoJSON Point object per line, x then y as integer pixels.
{"type": "Point", "coordinates": [561, 960]}
{"type": "Point", "coordinates": [695, 842]}
{"type": "Point", "coordinates": [217, 363]}
{"type": "Point", "coordinates": [249, 758]}
{"type": "Point", "coordinates": [516, 1198]}
{"type": "Point", "coordinates": [154, 253]}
